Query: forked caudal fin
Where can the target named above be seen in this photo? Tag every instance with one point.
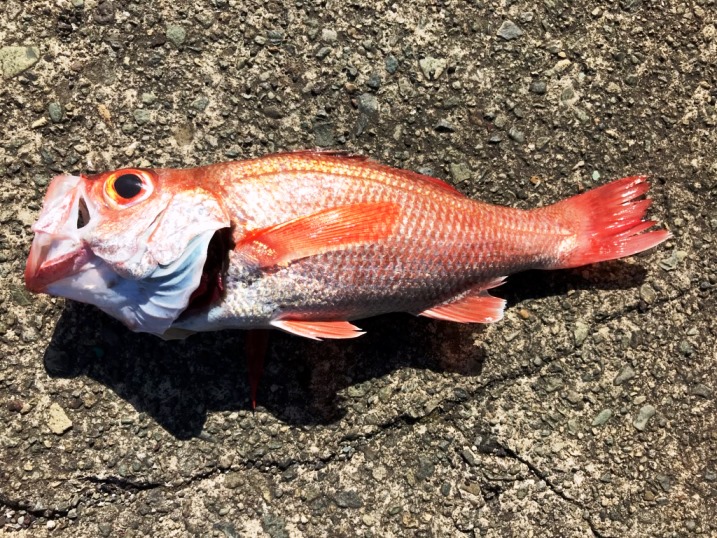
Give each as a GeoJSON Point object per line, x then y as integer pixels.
{"type": "Point", "coordinates": [608, 221]}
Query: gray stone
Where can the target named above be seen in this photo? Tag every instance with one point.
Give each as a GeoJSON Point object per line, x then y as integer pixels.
{"type": "Point", "coordinates": [274, 526]}
{"type": "Point", "coordinates": [516, 135]}
{"type": "Point", "coordinates": [368, 104]}
{"type": "Point", "coordinates": [647, 293]}
{"type": "Point", "coordinates": [391, 64]}
{"type": "Point", "coordinates": [643, 416]}
{"type": "Point", "coordinates": [469, 456]}
{"type": "Point", "coordinates": [233, 480]}
{"type": "Point", "coordinates": [56, 112]}
{"type": "Point", "coordinates": [324, 134]}
{"type": "Point", "coordinates": [323, 52]}
{"type": "Point", "coordinates": [625, 374]}
{"type": "Point", "coordinates": [701, 390]}
{"type": "Point", "coordinates": [460, 172]}
{"type": "Point", "coordinates": [176, 34]}
{"type": "Point", "coordinates": [444, 126]}
{"type": "Point", "coordinates": [580, 333]}
{"type": "Point", "coordinates": [205, 18]}
{"type": "Point", "coordinates": [328, 35]}
{"type": "Point", "coordinates": [348, 499]}
{"type": "Point", "coordinates": [200, 103]}
{"type": "Point", "coordinates": [602, 417]}
{"type": "Point", "coordinates": [15, 60]}
{"type": "Point", "coordinates": [275, 36]}
{"type": "Point", "coordinates": [538, 87]}
{"type": "Point", "coordinates": [142, 116]}
{"type": "Point", "coordinates": [509, 30]}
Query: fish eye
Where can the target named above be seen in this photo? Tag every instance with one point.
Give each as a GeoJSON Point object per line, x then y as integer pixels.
{"type": "Point", "coordinates": [128, 187]}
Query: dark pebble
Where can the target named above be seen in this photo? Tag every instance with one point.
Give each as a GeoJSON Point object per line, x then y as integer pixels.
{"type": "Point", "coordinates": [539, 87]}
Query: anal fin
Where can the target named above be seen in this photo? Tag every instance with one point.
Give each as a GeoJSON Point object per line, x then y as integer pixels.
{"type": "Point", "coordinates": [317, 330]}
{"type": "Point", "coordinates": [477, 306]}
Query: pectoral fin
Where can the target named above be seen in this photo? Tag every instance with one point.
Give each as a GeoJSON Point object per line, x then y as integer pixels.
{"type": "Point", "coordinates": [477, 306]}
{"type": "Point", "coordinates": [329, 230]}
{"type": "Point", "coordinates": [316, 330]}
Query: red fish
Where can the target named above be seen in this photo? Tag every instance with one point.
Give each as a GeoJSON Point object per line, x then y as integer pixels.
{"type": "Point", "coordinates": [308, 242]}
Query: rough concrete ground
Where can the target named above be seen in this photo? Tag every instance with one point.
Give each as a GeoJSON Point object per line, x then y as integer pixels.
{"type": "Point", "coordinates": [589, 411]}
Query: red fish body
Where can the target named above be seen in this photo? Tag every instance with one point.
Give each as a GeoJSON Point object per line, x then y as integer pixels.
{"type": "Point", "coordinates": [307, 242]}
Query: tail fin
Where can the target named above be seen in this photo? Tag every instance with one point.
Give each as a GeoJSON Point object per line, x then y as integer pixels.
{"type": "Point", "coordinates": [609, 222]}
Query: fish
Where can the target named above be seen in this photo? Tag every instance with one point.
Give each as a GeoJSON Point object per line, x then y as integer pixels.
{"type": "Point", "coordinates": [308, 242]}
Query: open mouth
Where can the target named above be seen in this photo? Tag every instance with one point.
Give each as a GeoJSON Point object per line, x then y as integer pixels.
{"type": "Point", "coordinates": [211, 286]}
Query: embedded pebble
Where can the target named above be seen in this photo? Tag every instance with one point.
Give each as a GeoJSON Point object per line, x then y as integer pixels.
{"type": "Point", "coordinates": [647, 293]}
{"type": "Point", "coordinates": [538, 87]}
{"type": "Point", "coordinates": [200, 103]}
{"type": "Point", "coordinates": [516, 135]}
{"type": "Point", "coordinates": [644, 415]}
{"type": "Point", "coordinates": [323, 52]}
{"type": "Point", "coordinates": [55, 111]}
{"type": "Point", "coordinates": [57, 420]}
{"type": "Point", "coordinates": [368, 104]}
{"type": "Point", "coordinates": [374, 81]}
{"type": "Point", "coordinates": [625, 374]}
{"type": "Point", "coordinates": [142, 116]}
{"type": "Point", "coordinates": [348, 499]}
{"type": "Point", "coordinates": [509, 30]}
{"type": "Point", "coordinates": [328, 35]}
{"type": "Point", "coordinates": [461, 172]}
{"type": "Point", "coordinates": [432, 68]}
{"type": "Point", "coordinates": [444, 126]}
{"type": "Point", "coordinates": [602, 417]}
{"type": "Point", "coordinates": [176, 34]}
{"type": "Point", "coordinates": [702, 390]}
{"type": "Point", "coordinates": [391, 64]}
{"type": "Point", "coordinates": [580, 333]}
{"type": "Point", "coordinates": [324, 134]}
{"type": "Point", "coordinates": [15, 60]}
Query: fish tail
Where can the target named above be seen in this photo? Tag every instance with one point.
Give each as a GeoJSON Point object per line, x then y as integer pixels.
{"type": "Point", "coordinates": [609, 223]}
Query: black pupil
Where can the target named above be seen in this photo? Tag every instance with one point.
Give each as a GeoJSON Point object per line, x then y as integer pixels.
{"type": "Point", "coordinates": [128, 186]}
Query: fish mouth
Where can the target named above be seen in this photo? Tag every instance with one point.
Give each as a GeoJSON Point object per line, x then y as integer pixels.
{"type": "Point", "coordinates": [58, 249]}
{"type": "Point", "coordinates": [52, 259]}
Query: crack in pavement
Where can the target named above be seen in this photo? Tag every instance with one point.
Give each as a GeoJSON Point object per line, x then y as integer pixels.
{"type": "Point", "coordinates": [110, 484]}
{"type": "Point", "coordinates": [535, 470]}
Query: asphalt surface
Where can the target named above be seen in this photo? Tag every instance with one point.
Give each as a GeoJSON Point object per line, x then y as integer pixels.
{"type": "Point", "coordinates": [588, 411]}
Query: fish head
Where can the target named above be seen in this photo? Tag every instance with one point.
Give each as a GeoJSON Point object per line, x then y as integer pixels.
{"type": "Point", "coordinates": [132, 242]}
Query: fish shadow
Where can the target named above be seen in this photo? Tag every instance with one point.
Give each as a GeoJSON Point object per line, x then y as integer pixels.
{"type": "Point", "coordinates": [178, 383]}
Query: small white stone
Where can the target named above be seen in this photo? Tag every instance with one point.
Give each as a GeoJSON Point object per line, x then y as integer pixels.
{"type": "Point", "coordinates": [57, 420]}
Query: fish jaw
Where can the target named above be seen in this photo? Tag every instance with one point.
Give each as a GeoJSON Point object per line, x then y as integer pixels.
{"type": "Point", "coordinates": [52, 260]}
{"type": "Point", "coordinates": [59, 248]}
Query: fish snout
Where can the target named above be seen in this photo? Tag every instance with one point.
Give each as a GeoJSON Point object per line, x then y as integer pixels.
{"type": "Point", "coordinates": [58, 249]}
